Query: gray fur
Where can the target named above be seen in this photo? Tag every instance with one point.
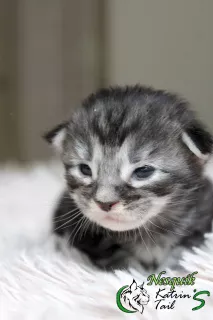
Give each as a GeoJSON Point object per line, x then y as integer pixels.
{"type": "Point", "coordinates": [114, 131]}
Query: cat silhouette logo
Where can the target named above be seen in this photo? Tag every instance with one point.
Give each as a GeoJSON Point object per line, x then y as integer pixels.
{"type": "Point", "coordinates": [131, 299]}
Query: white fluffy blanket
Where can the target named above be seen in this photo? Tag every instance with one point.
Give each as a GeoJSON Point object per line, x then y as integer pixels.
{"type": "Point", "coordinates": [38, 282]}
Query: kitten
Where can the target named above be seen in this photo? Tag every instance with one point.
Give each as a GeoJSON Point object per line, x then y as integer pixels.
{"type": "Point", "coordinates": [134, 159]}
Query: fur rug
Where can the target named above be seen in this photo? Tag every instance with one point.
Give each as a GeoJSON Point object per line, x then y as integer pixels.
{"type": "Point", "coordinates": [37, 281]}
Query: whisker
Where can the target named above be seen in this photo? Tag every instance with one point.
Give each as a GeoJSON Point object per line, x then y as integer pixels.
{"type": "Point", "coordinates": [150, 236]}
{"type": "Point", "coordinates": [144, 242]}
{"type": "Point", "coordinates": [170, 220]}
{"type": "Point", "coordinates": [67, 222]}
{"type": "Point", "coordinates": [180, 234]}
{"type": "Point", "coordinates": [126, 235]}
{"type": "Point", "coordinates": [68, 217]}
{"type": "Point", "coordinates": [153, 231]}
{"type": "Point", "coordinates": [179, 225]}
{"type": "Point", "coordinates": [82, 227]}
{"type": "Point", "coordinates": [71, 233]}
{"type": "Point", "coordinates": [135, 235]}
{"type": "Point", "coordinates": [81, 222]}
{"type": "Point", "coordinates": [65, 214]}
{"type": "Point", "coordinates": [69, 225]}
{"type": "Point", "coordinates": [85, 227]}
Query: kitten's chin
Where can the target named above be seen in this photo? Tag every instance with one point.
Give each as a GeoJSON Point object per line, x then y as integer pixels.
{"type": "Point", "coordinates": [117, 224]}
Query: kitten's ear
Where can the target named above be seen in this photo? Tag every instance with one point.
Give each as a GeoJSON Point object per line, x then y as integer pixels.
{"type": "Point", "coordinates": [56, 136]}
{"type": "Point", "coordinates": [198, 140]}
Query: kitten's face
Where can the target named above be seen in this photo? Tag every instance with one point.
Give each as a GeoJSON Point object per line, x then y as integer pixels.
{"type": "Point", "coordinates": [127, 157]}
{"type": "Point", "coordinates": [112, 189]}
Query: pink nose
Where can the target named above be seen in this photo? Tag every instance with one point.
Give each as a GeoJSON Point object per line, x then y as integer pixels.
{"type": "Point", "coordinates": [106, 206]}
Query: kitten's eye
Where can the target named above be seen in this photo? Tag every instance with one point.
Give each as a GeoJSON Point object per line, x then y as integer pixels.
{"type": "Point", "coordinates": [143, 172]}
{"type": "Point", "coordinates": [85, 169]}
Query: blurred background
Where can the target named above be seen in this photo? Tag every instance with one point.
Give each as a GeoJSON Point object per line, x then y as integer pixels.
{"type": "Point", "coordinates": [54, 52]}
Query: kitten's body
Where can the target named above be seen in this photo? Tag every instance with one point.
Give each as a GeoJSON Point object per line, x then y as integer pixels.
{"type": "Point", "coordinates": [121, 135]}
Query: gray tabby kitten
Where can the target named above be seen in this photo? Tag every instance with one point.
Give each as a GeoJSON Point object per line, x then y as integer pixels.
{"type": "Point", "coordinates": [134, 159]}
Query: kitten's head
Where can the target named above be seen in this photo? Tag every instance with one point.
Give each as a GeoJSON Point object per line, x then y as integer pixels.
{"type": "Point", "coordinates": [130, 154]}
